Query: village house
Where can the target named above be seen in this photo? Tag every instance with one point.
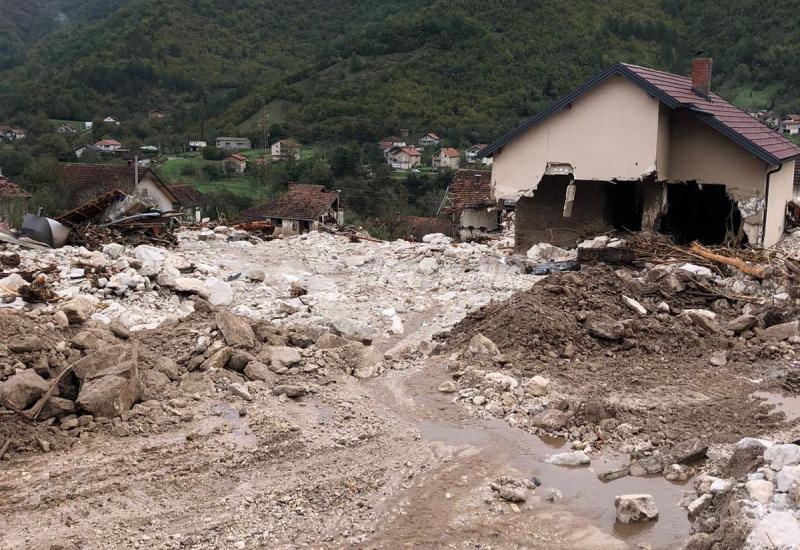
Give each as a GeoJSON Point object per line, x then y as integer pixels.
{"type": "Point", "coordinates": [13, 203]}
{"type": "Point", "coordinates": [471, 155]}
{"type": "Point", "coordinates": [286, 149]}
{"type": "Point", "coordinates": [301, 209]}
{"type": "Point", "coordinates": [389, 143]}
{"type": "Point", "coordinates": [108, 145]}
{"type": "Point", "coordinates": [191, 201]}
{"type": "Point", "coordinates": [91, 148]}
{"type": "Point", "coordinates": [111, 120]}
{"type": "Point", "coordinates": [471, 203]}
{"type": "Point", "coordinates": [666, 154]}
{"type": "Point", "coordinates": [157, 115]}
{"type": "Point", "coordinates": [66, 129]}
{"type": "Point", "coordinates": [429, 139]}
{"type": "Point", "coordinates": [233, 143]}
{"type": "Point", "coordinates": [197, 145]}
{"type": "Point", "coordinates": [86, 182]}
{"type": "Point", "coordinates": [404, 158]}
{"type": "Point", "coordinates": [234, 164]}
{"type": "Point", "coordinates": [446, 157]}
{"type": "Point", "coordinates": [790, 124]}
{"type": "Point", "coordinates": [11, 134]}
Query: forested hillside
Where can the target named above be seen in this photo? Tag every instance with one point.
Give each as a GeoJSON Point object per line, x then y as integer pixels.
{"type": "Point", "coordinates": [348, 69]}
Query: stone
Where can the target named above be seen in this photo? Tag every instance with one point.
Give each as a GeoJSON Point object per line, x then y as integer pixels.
{"type": "Point", "coordinates": [119, 330]}
{"type": "Point", "coordinates": [699, 504]}
{"type": "Point", "coordinates": [634, 305]}
{"type": "Point", "coordinates": [168, 367]}
{"type": "Point", "coordinates": [153, 384]}
{"type": "Point", "coordinates": [13, 282]}
{"type": "Point", "coordinates": [603, 327]}
{"type": "Point", "coordinates": [718, 358]}
{"type": "Point", "coordinates": [284, 357]}
{"type": "Point", "coordinates": [783, 331]}
{"type": "Point", "coordinates": [197, 383]}
{"type": "Point", "coordinates": [289, 390]}
{"type": "Point", "coordinates": [428, 266]}
{"type": "Point", "coordinates": [537, 386]}
{"type": "Point", "coordinates": [481, 345]}
{"type": "Point", "coordinates": [635, 507]}
{"type": "Point", "coordinates": [56, 407]}
{"type": "Point", "coordinates": [703, 318]}
{"type": "Point", "coordinates": [436, 239]}
{"type": "Point", "coordinates": [256, 370]}
{"type": "Point", "coordinates": [510, 493]}
{"type": "Point", "coordinates": [502, 381]}
{"type": "Point", "coordinates": [113, 250]}
{"type": "Point", "coordinates": [255, 275]}
{"type": "Point", "coordinates": [551, 420]}
{"type": "Point", "coordinates": [742, 323]}
{"type": "Point", "coordinates": [190, 285]}
{"type": "Point", "coordinates": [720, 486]}
{"type": "Point", "coordinates": [219, 293]}
{"type": "Point", "coordinates": [25, 344]}
{"type": "Point", "coordinates": [788, 476]}
{"type": "Point", "coordinates": [78, 309]}
{"type": "Point", "coordinates": [216, 360]}
{"type": "Point", "coordinates": [611, 475]}
{"type": "Point", "coordinates": [760, 490]}
{"type": "Point", "coordinates": [117, 360]}
{"type": "Point", "coordinates": [678, 472]}
{"type": "Point", "coordinates": [546, 252]}
{"type": "Point", "coordinates": [448, 387]}
{"type": "Point", "coordinates": [686, 452]}
{"type": "Point", "coordinates": [238, 360]}
{"type": "Point", "coordinates": [649, 465]}
{"type": "Point", "coordinates": [777, 529]}
{"type": "Point", "coordinates": [60, 319]}
{"type": "Point", "coordinates": [241, 391]}
{"type": "Point", "coordinates": [22, 390]}
{"type": "Point", "coordinates": [145, 253]}
{"type": "Point", "coordinates": [574, 458]}
{"type": "Point", "coordinates": [352, 330]}
{"type": "Point", "coordinates": [236, 330]}
{"type": "Point", "coordinates": [108, 396]}
{"type": "Point", "coordinates": [778, 456]}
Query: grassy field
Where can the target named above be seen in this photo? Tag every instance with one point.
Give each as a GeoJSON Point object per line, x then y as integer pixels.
{"type": "Point", "coordinates": [241, 185]}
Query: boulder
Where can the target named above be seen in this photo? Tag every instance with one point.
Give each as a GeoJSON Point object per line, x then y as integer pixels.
{"type": "Point", "coordinates": [284, 357]}
{"type": "Point", "coordinates": [783, 331]}
{"type": "Point", "coordinates": [256, 370]}
{"type": "Point", "coordinates": [56, 407]}
{"type": "Point", "coordinates": [686, 452]}
{"type": "Point", "coordinates": [546, 252]}
{"type": "Point", "coordinates": [25, 344]}
{"type": "Point", "coordinates": [777, 529]}
{"type": "Point", "coordinates": [78, 309]}
{"type": "Point", "coordinates": [603, 327]}
{"type": "Point", "coordinates": [108, 396]}
{"type": "Point", "coordinates": [332, 341]}
{"type": "Point", "coordinates": [551, 420]}
{"type": "Point", "coordinates": [13, 282]}
{"type": "Point", "coordinates": [255, 275]}
{"type": "Point", "coordinates": [22, 390]}
{"type": "Point", "coordinates": [113, 250]}
{"type": "Point", "coordinates": [481, 345]}
{"type": "Point", "coordinates": [428, 266]}
{"type": "Point", "coordinates": [218, 291]}
{"type": "Point", "coordinates": [190, 285]}
{"type": "Point", "coordinates": [760, 490]}
{"type": "Point", "coordinates": [788, 476]}
{"type": "Point", "coordinates": [145, 253]}
{"type": "Point", "coordinates": [742, 323]}
{"type": "Point", "coordinates": [168, 367]}
{"type": "Point", "coordinates": [241, 390]}
{"type": "Point", "coordinates": [436, 239]}
{"type": "Point", "coordinates": [289, 390]}
{"type": "Point", "coordinates": [236, 330]}
{"type": "Point", "coordinates": [216, 360]}
{"type": "Point", "coordinates": [238, 360]}
{"type": "Point", "coordinates": [575, 458]}
{"type": "Point", "coordinates": [197, 383]}
{"type": "Point", "coordinates": [537, 386]}
{"type": "Point", "coordinates": [502, 381]}
{"type": "Point", "coordinates": [352, 330]}
{"type": "Point", "coordinates": [778, 456]}
{"type": "Point", "coordinates": [153, 384]}
{"type": "Point", "coordinates": [636, 507]}
{"type": "Point", "coordinates": [120, 359]}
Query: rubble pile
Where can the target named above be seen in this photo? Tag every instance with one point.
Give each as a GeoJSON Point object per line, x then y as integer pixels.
{"type": "Point", "coordinates": [653, 363]}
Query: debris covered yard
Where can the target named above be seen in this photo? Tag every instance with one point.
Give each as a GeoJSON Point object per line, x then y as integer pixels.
{"type": "Point", "coordinates": [327, 390]}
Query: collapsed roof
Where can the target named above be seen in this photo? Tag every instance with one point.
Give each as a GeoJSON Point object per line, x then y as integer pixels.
{"type": "Point", "coordinates": [300, 202]}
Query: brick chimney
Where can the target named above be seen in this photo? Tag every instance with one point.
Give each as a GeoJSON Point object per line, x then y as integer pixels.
{"type": "Point", "coordinates": [701, 76]}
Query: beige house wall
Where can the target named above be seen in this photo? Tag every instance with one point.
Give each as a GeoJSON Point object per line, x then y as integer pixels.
{"type": "Point", "coordinates": [611, 132]}
{"type": "Point", "coordinates": [781, 189]}
{"type": "Point", "coordinates": [155, 193]}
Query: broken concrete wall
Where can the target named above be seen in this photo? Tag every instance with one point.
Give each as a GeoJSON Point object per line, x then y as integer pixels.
{"type": "Point", "coordinates": [477, 221]}
{"type": "Point", "coordinates": [609, 133]}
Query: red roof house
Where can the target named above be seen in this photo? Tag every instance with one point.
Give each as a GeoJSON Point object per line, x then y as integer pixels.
{"type": "Point", "coordinates": [302, 208]}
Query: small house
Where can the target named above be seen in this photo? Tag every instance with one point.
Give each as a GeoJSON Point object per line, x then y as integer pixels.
{"type": "Point", "coordinates": [234, 164]}
{"type": "Point", "coordinates": [301, 209]}
{"type": "Point", "coordinates": [13, 203]}
{"type": "Point", "coordinates": [471, 202]}
{"type": "Point", "coordinates": [11, 134]}
{"type": "Point", "coordinates": [86, 182]}
{"type": "Point", "coordinates": [90, 147]}
{"type": "Point", "coordinates": [447, 157]}
{"type": "Point", "coordinates": [108, 145]}
{"type": "Point", "coordinates": [66, 129]}
{"type": "Point", "coordinates": [429, 139]}
{"type": "Point", "coordinates": [157, 115]}
{"type": "Point", "coordinates": [286, 149]}
{"type": "Point", "coordinates": [111, 120]}
{"type": "Point", "coordinates": [790, 125]}
{"type": "Point", "coordinates": [233, 143]}
{"type": "Point", "coordinates": [471, 155]}
{"type": "Point", "coordinates": [404, 158]}
{"type": "Point", "coordinates": [191, 201]}
{"type": "Point", "coordinates": [197, 145]}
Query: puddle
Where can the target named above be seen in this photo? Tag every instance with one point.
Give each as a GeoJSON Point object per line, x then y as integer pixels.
{"type": "Point", "coordinates": [493, 442]}
{"type": "Point", "coordinates": [240, 434]}
{"type": "Point", "coordinates": [790, 406]}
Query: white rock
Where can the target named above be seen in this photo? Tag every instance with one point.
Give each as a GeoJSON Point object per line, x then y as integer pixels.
{"type": "Point", "coordinates": [436, 238]}
{"type": "Point", "coordinates": [787, 477]}
{"type": "Point", "coordinates": [219, 292]}
{"type": "Point", "coordinates": [77, 273]}
{"type": "Point", "coordinates": [776, 529]}
{"type": "Point", "coordinates": [598, 242]}
{"type": "Point", "coordinates": [113, 250]}
{"type": "Point", "coordinates": [720, 486]}
{"type": "Point", "coordinates": [708, 314]}
{"type": "Point", "coordinates": [145, 252]}
{"type": "Point", "coordinates": [241, 391]}
{"type": "Point", "coordinates": [481, 345]}
{"type": "Point", "coordinates": [697, 270]}
{"type": "Point", "coordinates": [636, 507]}
{"type": "Point", "coordinates": [760, 490]}
{"type": "Point", "coordinates": [634, 305]}
{"type": "Point", "coordinates": [191, 285]}
{"type": "Point", "coordinates": [503, 381]}
{"type": "Point", "coordinates": [537, 386]}
{"type": "Point", "coordinates": [751, 442]}
{"type": "Point", "coordinates": [255, 275]}
{"type": "Point", "coordinates": [698, 504]}
{"type": "Point", "coordinates": [778, 456]}
{"type": "Point", "coordinates": [574, 458]}
{"type": "Point", "coordinates": [12, 283]}
{"type": "Point", "coordinates": [428, 265]}
{"type": "Point", "coordinates": [546, 252]}
{"type": "Point", "coordinates": [397, 325]}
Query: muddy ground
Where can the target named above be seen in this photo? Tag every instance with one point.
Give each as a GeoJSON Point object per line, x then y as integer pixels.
{"type": "Point", "coordinates": [388, 461]}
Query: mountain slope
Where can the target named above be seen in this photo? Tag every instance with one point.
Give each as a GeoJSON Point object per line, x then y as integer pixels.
{"type": "Point", "coordinates": [347, 69]}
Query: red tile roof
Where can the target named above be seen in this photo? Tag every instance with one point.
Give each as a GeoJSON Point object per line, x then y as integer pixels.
{"type": "Point", "coordinates": [300, 202]}
{"type": "Point", "coordinates": [450, 152]}
{"type": "Point", "coordinates": [237, 156]}
{"type": "Point", "coordinates": [10, 190]}
{"type": "Point", "coordinates": [88, 181]}
{"type": "Point", "coordinates": [108, 142]}
{"type": "Point", "coordinates": [187, 195]}
{"type": "Point", "coordinates": [471, 189]}
{"type": "Point", "coordinates": [680, 89]}
{"type": "Point", "coordinates": [410, 151]}
{"type": "Point", "coordinates": [676, 92]}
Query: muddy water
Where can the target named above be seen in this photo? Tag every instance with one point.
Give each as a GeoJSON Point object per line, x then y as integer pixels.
{"type": "Point", "coordinates": [583, 516]}
{"type": "Point", "coordinates": [789, 406]}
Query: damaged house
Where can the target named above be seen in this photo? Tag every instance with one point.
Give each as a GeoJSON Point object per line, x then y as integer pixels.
{"type": "Point", "coordinates": [301, 209]}
{"type": "Point", "coordinates": [472, 205]}
{"type": "Point", "coordinates": [13, 203]}
{"type": "Point", "coordinates": [664, 154]}
{"type": "Point", "coordinates": [86, 182]}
